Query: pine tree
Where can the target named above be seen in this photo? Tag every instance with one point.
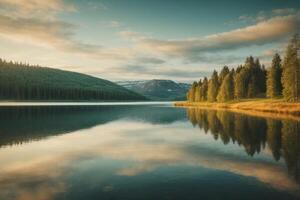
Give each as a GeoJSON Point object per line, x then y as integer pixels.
{"type": "Point", "coordinates": [250, 79]}
{"type": "Point", "coordinates": [226, 91]}
{"type": "Point", "coordinates": [191, 92]}
{"type": "Point", "coordinates": [213, 87]}
{"type": "Point", "coordinates": [222, 74]}
{"type": "Point", "coordinates": [252, 89]}
{"type": "Point", "coordinates": [260, 78]}
{"type": "Point", "coordinates": [240, 83]}
{"type": "Point", "coordinates": [204, 89]}
{"type": "Point", "coordinates": [274, 86]}
{"type": "Point", "coordinates": [198, 91]}
{"type": "Point", "coordinates": [291, 70]}
{"type": "Point", "coordinates": [256, 80]}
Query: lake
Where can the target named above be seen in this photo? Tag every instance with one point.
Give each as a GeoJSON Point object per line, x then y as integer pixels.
{"type": "Point", "coordinates": [145, 151]}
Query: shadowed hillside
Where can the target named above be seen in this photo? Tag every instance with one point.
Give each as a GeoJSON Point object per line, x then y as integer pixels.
{"type": "Point", "coordinates": [24, 82]}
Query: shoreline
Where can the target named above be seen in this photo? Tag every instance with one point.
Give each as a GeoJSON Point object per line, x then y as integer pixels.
{"type": "Point", "coordinates": [277, 109]}
{"type": "Point", "coordinates": [74, 103]}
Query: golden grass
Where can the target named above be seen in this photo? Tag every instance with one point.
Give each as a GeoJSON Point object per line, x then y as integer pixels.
{"type": "Point", "coordinates": [259, 107]}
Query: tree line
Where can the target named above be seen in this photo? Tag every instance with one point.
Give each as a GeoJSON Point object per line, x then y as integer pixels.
{"type": "Point", "coordinates": [20, 81]}
{"type": "Point", "coordinates": [253, 80]}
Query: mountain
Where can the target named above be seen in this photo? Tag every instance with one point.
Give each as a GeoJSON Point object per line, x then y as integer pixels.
{"type": "Point", "coordinates": [158, 89]}
{"type": "Point", "coordinates": [24, 82]}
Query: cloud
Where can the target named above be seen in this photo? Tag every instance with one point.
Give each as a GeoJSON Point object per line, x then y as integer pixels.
{"type": "Point", "coordinates": [37, 23]}
{"type": "Point", "coordinates": [115, 24]}
{"type": "Point", "coordinates": [269, 53]}
{"type": "Point", "coordinates": [34, 8]}
{"type": "Point", "coordinates": [97, 5]}
{"type": "Point", "coordinates": [215, 58]}
{"type": "Point", "coordinates": [246, 18]}
{"type": "Point", "coordinates": [265, 15]}
{"type": "Point", "coordinates": [284, 11]}
{"type": "Point", "coordinates": [261, 33]}
{"type": "Point", "coordinates": [57, 34]}
{"type": "Point", "coordinates": [150, 60]}
{"type": "Point", "coordinates": [131, 35]}
{"type": "Point", "coordinates": [163, 71]}
{"type": "Point", "coordinates": [48, 31]}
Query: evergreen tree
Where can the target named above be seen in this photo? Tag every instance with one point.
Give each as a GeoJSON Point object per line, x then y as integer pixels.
{"type": "Point", "coordinates": [213, 87]}
{"type": "Point", "coordinates": [252, 90]}
{"type": "Point", "coordinates": [250, 79]}
{"type": "Point", "coordinates": [259, 75]}
{"type": "Point", "coordinates": [226, 91]}
{"type": "Point", "coordinates": [204, 89]}
{"type": "Point", "coordinates": [240, 83]}
{"type": "Point", "coordinates": [222, 74]}
{"type": "Point", "coordinates": [198, 91]}
{"type": "Point", "coordinates": [291, 70]}
{"type": "Point", "coordinates": [191, 92]}
{"type": "Point", "coordinates": [274, 86]}
{"type": "Point", "coordinates": [256, 82]}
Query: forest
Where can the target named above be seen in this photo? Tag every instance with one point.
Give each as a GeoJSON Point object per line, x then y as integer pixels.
{"type": "Point", "coordinates": [27, 82]}
{"type": "Point", "coordinates": [253, 80]}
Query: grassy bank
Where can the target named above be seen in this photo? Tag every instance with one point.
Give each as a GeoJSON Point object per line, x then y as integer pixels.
{"type": "Point", "coordinates": [273, 108]}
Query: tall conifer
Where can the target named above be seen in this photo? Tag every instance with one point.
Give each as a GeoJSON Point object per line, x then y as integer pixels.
{"type": "Point", "coordinates": [274, 86]}
{"type": "Point", "coordinates": [213, 87]}
{"type": "Point", "coordinates": [291, 70]}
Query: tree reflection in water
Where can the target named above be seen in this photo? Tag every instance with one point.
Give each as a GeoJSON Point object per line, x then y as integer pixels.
{"type": "Point", "coordinates": [282, 137]}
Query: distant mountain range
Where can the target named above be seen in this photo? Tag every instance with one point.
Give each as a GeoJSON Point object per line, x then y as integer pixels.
{"type": "Point", "coordinates": [158, 89]}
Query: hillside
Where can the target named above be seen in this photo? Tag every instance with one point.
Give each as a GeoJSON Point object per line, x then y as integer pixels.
{"type": "Point", "coordinates": [24, 82]}
{"type": "Point", "coordinates": [158, 89]}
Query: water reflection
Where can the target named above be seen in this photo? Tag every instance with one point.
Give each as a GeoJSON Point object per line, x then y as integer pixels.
{"type": "Point", "coordinates": [144, 152]}
{"type": "Point", "coordinates": [253, 133]}
{"type": "Point", "coordinates": [21, 124]}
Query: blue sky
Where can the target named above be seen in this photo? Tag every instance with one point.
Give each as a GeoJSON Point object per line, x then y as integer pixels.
{"type": "Point", "coordinates": [137, 39]}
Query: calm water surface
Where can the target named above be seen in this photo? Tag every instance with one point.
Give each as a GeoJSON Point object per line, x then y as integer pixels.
{"type": "Point", "coordinates": [80, 152]}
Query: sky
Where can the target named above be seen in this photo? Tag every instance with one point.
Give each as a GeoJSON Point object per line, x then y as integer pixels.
{"type": "Point", "coordinates": [181, 40]}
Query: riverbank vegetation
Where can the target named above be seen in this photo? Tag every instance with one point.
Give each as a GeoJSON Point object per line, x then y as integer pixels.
{"type": "Point", "coordinates": [252, 80]}
{"type": "Point", "coordinates": [274, 108]}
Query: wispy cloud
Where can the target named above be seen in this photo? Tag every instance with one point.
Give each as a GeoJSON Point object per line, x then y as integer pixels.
{"type": "Point", "coordinates": [261, 33]}
{"type": "Point", "coordinates": [115, 24]}
{"type": "Point", "coordinates": [34, 8]}
{"type": "Point", "coordinates": [265, 15]}
{"type": "Point", "coordinates": [285, 11]}
{"type": "Point", "coordinates": [132, 35]}
{"type": "Point", "coordinates": [150, 60]}
{"type": "Point", "coordinates": [164, 72]}
{"type": "Point", "coordinates": [54, 33]}
{"type": "Point", "coordinates": [36, 22]}
{"type": "Point", "coordinates": [97, 5]}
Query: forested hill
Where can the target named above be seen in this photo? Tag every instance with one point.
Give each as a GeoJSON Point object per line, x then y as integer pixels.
{"type": "Point", "coordinates": [24, 82]}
